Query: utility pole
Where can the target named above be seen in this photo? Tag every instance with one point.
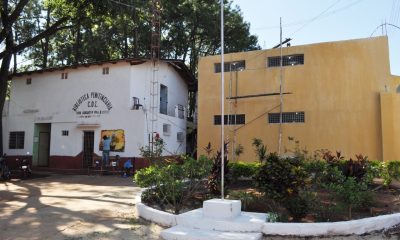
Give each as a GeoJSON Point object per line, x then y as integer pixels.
{"type": "Point", "coordinates": [280, 94]}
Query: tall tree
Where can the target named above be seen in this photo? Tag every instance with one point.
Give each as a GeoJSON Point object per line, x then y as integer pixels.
{"type": "Point", "coordinates": [10, 12]}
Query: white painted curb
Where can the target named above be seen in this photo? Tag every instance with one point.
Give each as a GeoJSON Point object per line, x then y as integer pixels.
{"type": "Point", "coordinates": [159, 217]}
{"type": "Point", "coordinates": [358, 227]}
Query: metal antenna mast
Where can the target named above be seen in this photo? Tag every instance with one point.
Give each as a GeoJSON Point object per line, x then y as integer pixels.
{"type": "Point", "coordinates": [155, 57]}
{"type": "Point", "coordinates": [280, 94]}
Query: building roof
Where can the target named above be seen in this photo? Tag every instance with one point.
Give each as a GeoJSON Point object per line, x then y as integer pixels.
{"type": "Point", "coordinates": [178, 65]}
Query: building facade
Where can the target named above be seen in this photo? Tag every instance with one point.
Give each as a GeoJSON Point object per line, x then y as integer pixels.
{"type": "Point", "coordinates": [57, 117]}
{"type": "Point", "coordinates": [339, 96]}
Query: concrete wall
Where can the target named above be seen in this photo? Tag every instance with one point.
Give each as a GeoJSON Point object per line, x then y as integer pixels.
{"type": "Point", "coordinates": [338, 88]}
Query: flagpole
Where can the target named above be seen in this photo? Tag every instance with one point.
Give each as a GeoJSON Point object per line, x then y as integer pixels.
{"type": "Point", "coordinates": [222, 102]}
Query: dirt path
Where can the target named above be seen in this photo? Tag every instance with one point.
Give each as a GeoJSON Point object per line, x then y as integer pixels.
{"type": "Point", "coordinates": [85, 207]}
{"type": "Point", "coordinates": [71, 207]}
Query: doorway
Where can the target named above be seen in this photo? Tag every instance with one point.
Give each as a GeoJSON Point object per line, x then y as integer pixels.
{"type": "Point", "coordinates": [88, 148]}
{"type": "Point", "coordinates": [41, 145]}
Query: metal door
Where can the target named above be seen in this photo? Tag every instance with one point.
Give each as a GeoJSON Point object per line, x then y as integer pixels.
{"type": "Point", "coordinates": [88, 143]}
{"type": "Point", "coordinates": [44, 149]}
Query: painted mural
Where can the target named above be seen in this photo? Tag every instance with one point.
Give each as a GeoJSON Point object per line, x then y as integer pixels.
{"type": "Point", "coordinates": [117, 139]}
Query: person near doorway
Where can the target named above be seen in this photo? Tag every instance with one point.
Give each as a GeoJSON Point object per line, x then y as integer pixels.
{"type": "Point", "coordinates": [106, 150]}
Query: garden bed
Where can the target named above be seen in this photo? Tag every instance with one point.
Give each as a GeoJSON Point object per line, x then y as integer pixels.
{"type": "Point", "coordinates": [386, 200]}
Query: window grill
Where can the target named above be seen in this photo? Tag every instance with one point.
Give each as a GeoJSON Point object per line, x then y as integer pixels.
{"type": "Point", "coordinates": [16, 140]}
{"type": "Point", "coordinates": [64, 75]}
{"type": "Point", "coordinates": [180, 137]}
{"type": "Point", "coordinates": [64, 132]}
{"type": "Point", "coordinates": [166, 129]}
{"type": "Point", "coordinates": [180, 111]}
{"type": "Point", "coordinates": [287, 117]}
{"type": "Point", "coordinates": [230, 66]}
{"type": "Point", "coordinates": [230, 119]}
{"type": "Point", "coordinates": [28, 81]}
{"type": "Point", "coordinates": [106, 70]}
{"type": "Point", "coordinates": [288, 60]}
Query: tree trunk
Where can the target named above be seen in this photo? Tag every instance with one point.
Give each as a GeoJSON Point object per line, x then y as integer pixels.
{"type": "Point", "coordinates": [5, 65]}
{"type": "Point", "coordinates": [46, 42]}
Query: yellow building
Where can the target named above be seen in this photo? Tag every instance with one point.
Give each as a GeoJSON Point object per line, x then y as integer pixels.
{"type": "Point", "coordinates": [338, 96]}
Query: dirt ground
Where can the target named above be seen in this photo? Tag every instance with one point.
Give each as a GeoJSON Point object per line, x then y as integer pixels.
{"type": "Point", "coordinates": [72, 207]}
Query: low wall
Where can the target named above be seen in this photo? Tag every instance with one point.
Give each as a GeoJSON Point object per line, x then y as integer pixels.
{"type": "Point", "coordinates": [359, 227]}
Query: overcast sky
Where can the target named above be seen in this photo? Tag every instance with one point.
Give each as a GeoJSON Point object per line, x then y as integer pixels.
{"type": "Point", "coordinates": [312, 21]}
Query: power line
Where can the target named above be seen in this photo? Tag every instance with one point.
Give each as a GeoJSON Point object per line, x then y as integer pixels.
{"type": "Point", "coordinates": [316, 17]}
{"type": "Point", "coordinates": [122, 4]}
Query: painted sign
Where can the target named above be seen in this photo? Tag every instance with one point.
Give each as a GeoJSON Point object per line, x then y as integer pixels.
{"type": "Point", "coordinates": [117, 139]}
{"type": "Point", "coordinates": [92, 104]}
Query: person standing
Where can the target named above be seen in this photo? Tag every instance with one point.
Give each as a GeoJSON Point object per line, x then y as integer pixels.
{"type": "Point", "coordinates": [106, 150]}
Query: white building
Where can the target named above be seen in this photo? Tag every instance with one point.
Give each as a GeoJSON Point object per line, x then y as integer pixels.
{"type": "Point", "coordinates": [57, 116]}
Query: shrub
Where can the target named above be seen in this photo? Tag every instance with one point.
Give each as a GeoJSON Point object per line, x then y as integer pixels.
{"type": "Point", "coordinates": [173, 184]}
{"type": "Point", "coordinates": [214, 179]}
{"type": "Point", "coordinates": [351, 193]}
{"type": "Point", "coordinates": [283, 180]}
{"type": "Point", "coordinates": [260, 149]}
{"type": "Point", "coordinates": [378, 169]}
{"type": "Point", "coordinates": [246, 198]}
{"type": "Point", "coordinates": [394, 169]}
{"type": "Point", "coordinates": [241, 169]}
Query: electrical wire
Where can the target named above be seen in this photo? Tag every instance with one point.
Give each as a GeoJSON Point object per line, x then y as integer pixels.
{"type": "Point", "coordinates": [122, 4]}
{"type": "Point", "coordinates": [316, 17]}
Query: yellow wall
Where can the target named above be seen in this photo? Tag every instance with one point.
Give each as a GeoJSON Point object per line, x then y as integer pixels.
{"type": "Point", "coordinates": [338, 88]}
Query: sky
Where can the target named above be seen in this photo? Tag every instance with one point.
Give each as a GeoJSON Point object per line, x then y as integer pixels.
{"type": "Point", "coordinates": [313, 21]}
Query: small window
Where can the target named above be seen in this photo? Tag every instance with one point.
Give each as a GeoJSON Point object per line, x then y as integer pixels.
{"type": "Point", "coordinates": [180, 137]}
{"type": "Point", "coordinates": [181, 111]}
{"type": "Point", "coordinates": [230, 66]}
{"type": "Point", "coordinates": [28, 81]}
{"type": "Point", "coordinates": [166, 129]}
{"type": "Point", "coordinates": [16, 140]}
{"type": "Point", "coordinates": [230, 119]}
{"type": "Point", "coordinates": [106, 70]}
{"type": "Point", "coordinates": [64, 75]}
{"type": "Point", "coordinates": [64, 132]}
{"type": "Point", "coordinates": [288, 60]}
{"type": "Point", "coordinates": [287, 117]}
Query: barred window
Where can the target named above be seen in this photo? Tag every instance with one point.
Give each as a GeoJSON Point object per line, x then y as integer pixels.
{"type": "Point", "coordinates": [288, 60]}
{"type": "Point", "coordinates": [64, 132]}
{"type": "Point", "coordinates": [106, 70]}
{"type": "Point", "coordinates": [16, 140]}
{"type": "Point", "coordinates": [230, 66]}
{"type": "Point", "coordinates": [28, 81]}
{"type": "Point", "coordinates": [287, 117]}
{"type": "Point", "coordinates": [230, 119]}
{"type": "Point", "coordinates": [64, 75]}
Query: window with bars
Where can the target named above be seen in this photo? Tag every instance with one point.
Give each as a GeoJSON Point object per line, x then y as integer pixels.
{"type": "Point", "coordinates": [16, 140]}
{"type": "Point", "coordinates": [64, 132]}
{"type": "Point", "coordinates": [28, 81]}
{"type": "Point", "coordinates": [106, 70]}
{"type": "Point", "coordinates": [181, 111]}
{"type": "Point", "coordinates": [166, 129]}
{"type": "Point", "coordinates": [287, 117]}
{"type": "Point", "coordinates": [287, 60]}
{"type": "Point", "coordinates": [180, 137]}
{"type": "Point", "coordinates": [230, 66]}
{"type": "Point", "coordinates": [64, 75]}
{"type": "Point", "coordinates": [230, 119]}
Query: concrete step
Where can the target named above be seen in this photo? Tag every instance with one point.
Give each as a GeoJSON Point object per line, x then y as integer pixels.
{"type": "Point", "coordinates": [245, 222]}
{"type": "Point", "coordinates": [184, 233]}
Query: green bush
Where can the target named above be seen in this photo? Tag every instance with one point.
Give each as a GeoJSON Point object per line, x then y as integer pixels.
{"type": "Point", "coordinates": [351, 194]}
{"type": "Point", "coordinates": [173, 184]}
{"type": "Point", "coordinates": [241, 169]}
{"type": "Point", "coordinates": [284, 180]}
{"type": "Point", "coordinates": [394, 169]}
